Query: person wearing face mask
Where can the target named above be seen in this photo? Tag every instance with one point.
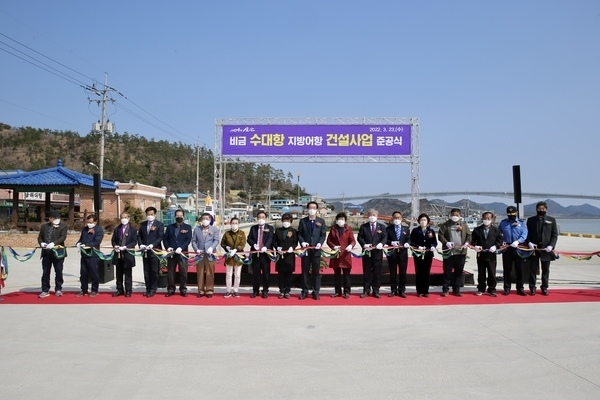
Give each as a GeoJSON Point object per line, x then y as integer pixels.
{"type": "Point", "coordinates": [285, 241]}
{"type": "Point", "coordinates": [260, 239]}
{"type": "Point", "coordinates": [514, 234]}
{"type": "Point", "coordinates": [454, 235]}
{"type": "Point", "coordinates": [398, 236]}
{"type": "Point", "coordinates": [486, 240]}
{"type": "Point", "coordinates": [90, 239]}
{"type": "Point", "coordinates": [124, 238]}
{"type": "Point", "coordinates": [177, 240]}
{"type": "Point", "coordinates": [51, 235]}
{"type": "Point", "coordinates": [542, 235]}
{"type": "Point", "coordinates": [150, 236]}
{"type": "Point", "coordinates": [205, 240]}
{"type": "Point", "coordinates": [372, 236]}
{"type": "Point", "coordinates": [311, 233]}
{"type": "Point", "coordinates": [341, 238]}
{"type": "Point", "coordinates": [233, 241]}
{"type": "Point", "coordinates": [423, 239]}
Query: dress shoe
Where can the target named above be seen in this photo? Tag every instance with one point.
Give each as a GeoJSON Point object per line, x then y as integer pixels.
{"type": "Point", "coordinates": [316, 296]}
{"type": "Point", "coordinates": [146, 294]}
{"type": "Point", "coordinates": [200, 295]}
{"type": "Point", "coordinates": [169, 294]}
{"type": "Point", "coordinates": [445, 293]}
{"type": "Point", "coordinates": [265, 295]}
{"type": "Point", "coordinates": [426, 295]}
{"type": "Point", "coordinates": [151, 294]}
{"type": "Point", "coordinates": [506, 292]}
{"type": "Point", "coordinates": [302, 296]}
{"type": "Point", "coordinates": [364, 294]}
{"type": "Point", "coordinates": [346, 296]}
{"type": "Point", "coordinates": [209, 295]}
{"type": "Point", "coordinates": [545, 292]}
{"type": "Point", "coordinates": [280, 296]}
{"type": "Point", "coordinates": [402, 294]}
{"type": "Point", "coordinates": [93, 294]}
{"type": "Point", "coordinates": [458, 294]}
{"type": "Point", "coordinates": [183, 294]}
{"type": "Point", "coordinates": [81, 294]}
{"type": "Point", "coordinates": [376, 295]}
{"type": "Point", "coordinates": [532, 292]}
{"type": "Point", "coordinates": [287, 295]}
{"type": "Point", "coordinates": [392, 294]}
{"type": "Point", "coordinates": [521, 292]}
{"type": "Point", "coordinates": [128, 294]}
{"type": "Point", "coordinates": [336, 295]}
{"type": "Point", "coordinates": [117, 294]}
{"type": "Point", "coordinates": [253, 295]}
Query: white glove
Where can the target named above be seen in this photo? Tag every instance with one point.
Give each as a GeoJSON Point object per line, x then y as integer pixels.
{"type": "Point", "coordinates": [170, 249]}
{"type": "Point", "coordinates": [209, 250]}
{"type": "Point", "coordinates": [43, 245]}
{"type": "Point", "coordinates": [379, 246]}
{"type": "Point", "coordinates": [199, 251]}
{"type": "Point", "coordinates": [178, 250]}
{"type": "Point", "coordinates": [117, 248]}
{"type": "Point", "coordinates": [532, 246]}
{"type": "Point", "coordinates": [263, 249]}
{"type": "Point", "coordinates": [256, 246]}
{"type": "Point", "coordinates": [449, 245]}
{"type": "Point", "coordinates": [318, 246]}
{"type": "Point", "coordinates": [337, 247]}
{"type": "Point", "coordinates": [395, 243]}
{"type": "Point", "coordinates": [291, 250]}
{"type": "Point", "coordinates": [150, 246]}
{"type": "Point", "coordinates": [279, 249]}
{"type": "Point", "coordinates": [123, 248]}
{"type": "Point", "coordinates": [50, 245]}
{"type": "Point", "coordinates": [464, 246]}
{"type": "Point", "coordinates": [432, 249]}
{"type": "Point", "coordinates": [142, 247]}
{"type": "Point", "coordinates": [515, 244]}
{"type": "Point", "coordinates": [406, 245]}
{"type": "Point", "coordinates": [349, 248]}
{"type": "Point", "coordinates": [79, 245]}
{"type": "Point", "coordinates": [478, 248]}
{"type": "Point", "coordinates": [548, 249]}
{"type": "Point", "coordinates": [232, 252]}
{"type": "Point", "coordinates": [304, 244]}
{"type": "Point", "coordinates": [421, 248]}
{"type": "Point", "coordinates": [368, 246]}
{"type": "Point", "coordinates": [492, 249]}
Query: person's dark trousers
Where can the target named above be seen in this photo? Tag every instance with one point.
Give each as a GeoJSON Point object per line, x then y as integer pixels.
{"type": "Point", "coordinates": [398, 266]}
{"type": "Point", "coordinates": [89, 271]}
{"type": "Point", "coordinates": [121, 271]}
{"type": "Point", "coordinates": [422, 271]}
{"type": "Point", "coordinates": [509, 257]}
{"type": "Point", "coordinates": [285, 282]}
{"type": "Point", "coordinates": [49, 260]}
{"type": "Point", "coordinates": [371, 273]}
{"type": "Point", "coordinates": [177, 260]}
{"type": "Point", "coordinates": [534, 261]}
{"type": "Point", "coordinates": [453, 270]}
{"type": "Point", "coordinates": [151, 264]}
{"type": "Point", "coordinates": [341, 277]}
{"type": "Point", "coordinates": [311, 261]}
{"type": "Point", "coordinates": [261, 271]}
{"type": "Point", "coordinates": [486, 275]}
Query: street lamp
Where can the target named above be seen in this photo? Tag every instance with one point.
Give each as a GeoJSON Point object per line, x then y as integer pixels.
{"type": "Point", "coordinates": [94, 165]}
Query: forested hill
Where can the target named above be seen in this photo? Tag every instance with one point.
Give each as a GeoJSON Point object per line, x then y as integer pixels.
{"type": "Point", "coordinates": [132, 157]}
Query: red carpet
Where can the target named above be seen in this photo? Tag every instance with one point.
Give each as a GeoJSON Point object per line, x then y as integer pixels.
{"type": "Point", "coordinates": [556, 296]}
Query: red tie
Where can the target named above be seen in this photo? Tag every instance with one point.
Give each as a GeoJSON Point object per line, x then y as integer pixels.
{"type": "Point", "coordinates": [260, 237]}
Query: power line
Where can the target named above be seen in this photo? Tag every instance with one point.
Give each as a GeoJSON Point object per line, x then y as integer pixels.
{"type": "Point", "coordinates": [37, 112]}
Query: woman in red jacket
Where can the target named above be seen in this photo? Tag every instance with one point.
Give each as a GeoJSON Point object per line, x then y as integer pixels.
{"type": "Point", "coordinates": [341, 237]}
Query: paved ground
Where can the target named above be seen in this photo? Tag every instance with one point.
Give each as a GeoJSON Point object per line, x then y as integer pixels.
{"type": "Point", "coordinates": [549, 351]}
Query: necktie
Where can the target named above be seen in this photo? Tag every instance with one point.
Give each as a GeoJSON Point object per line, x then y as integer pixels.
{"type": "Point", "coordinates": [398, 232]}
{"type": "Point", "coordinates": [123, 231]}
{"type": "Point", "coordinates": [149, 227]}
{"type": "Point", "coordinates": [485, 233]}
{"type": "Point", "coordinates": [312, 224]}
{"type": "Point", "coordinates": [260, 237]}
{"type": "Point", "coordinates": [372, 230]}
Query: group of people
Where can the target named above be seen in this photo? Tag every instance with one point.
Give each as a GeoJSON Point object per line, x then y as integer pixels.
{"type": "Point", "coordinates": [538, 236]}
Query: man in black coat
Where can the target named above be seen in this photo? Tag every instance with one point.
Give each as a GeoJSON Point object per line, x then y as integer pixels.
{"type": "Point", "coordinates": [372, 236]}
{"type": "Point", "coordinates": [91, 238]}
{"type": "Point", "coordinates": [398, 235]}
{"type": "Point", "coordinates": [124, 238]}
{"type": "Point", "coordinates": [260, 239]}
{"type": "Point", "coordinates": [311, 233]}
{"type": "Point", "coordinates": [542, 235]}
{"type": "Point", "coordinates": [177, 240]}
{"type": "Point", "coordinates": [51, 239]}
{"type": "Point", "coordinates": [150, 236]}
{"type": "Point", "coordinates": [486, 239]}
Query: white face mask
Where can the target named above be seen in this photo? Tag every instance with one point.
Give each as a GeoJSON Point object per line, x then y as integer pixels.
{"type": "Point", "coordinates": [397, 222]}
{"type": "Point", "coordinates": [90, 226]}
{"type": "Point", "coordinates": [150, 218]}
{"type": "Point", "coordinates": [261, 221]}
{"type": "Point", "coordinates": [312, 212]}
{"type": "Point", "coordinates": [56, 221]}
{"type": "Point", "coordinates": [455, 218]}
{"type": "Point", "coordinates": [487, 222]}
{"type": "Point", "coordinates": [286, 224]}
{"type": "Point", "coordinates": [235, 227]}
{"type": "Point", "coordinates": [124, 221]}
{"type": "Point", "coordinates": [341, 223]}
{"type": "Point", "coordinates": [205, 222]}
{"type": "Point", "coordinates": [423, 223]}
{"type": "Point", "coordinates": [372, 218]}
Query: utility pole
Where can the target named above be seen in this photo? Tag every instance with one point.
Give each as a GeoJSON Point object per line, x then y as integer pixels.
{"type": "Point", "coordinates": [104, 126]}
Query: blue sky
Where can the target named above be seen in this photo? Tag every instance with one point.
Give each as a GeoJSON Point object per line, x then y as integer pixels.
{"type": "Point", "coordinates": [493, 83]}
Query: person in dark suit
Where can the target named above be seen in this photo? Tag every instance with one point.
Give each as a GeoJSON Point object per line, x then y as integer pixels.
{"type": "Point", "coordinates": [486, 240]}
{"type": "Point", "coordinates": [150, 236]}
{"type": "Point", "coordinates": [423, 239]}
{"type": "Point", "coordinates": [91, 238]}
{"type": "Point", "coordinates": [124, 238]}
{"type": "Point", "coordinates": [177, 240]}
{"type": "Point", "coordinates": [372, 236]}
{"type": "Point", "coordinates": [51, 239]}
{"type": "Point", "coordinates": [285, 241]}
{"type": "Point", "coordinates": [311, 233]}
{"type": "Point", "coordinates": [260, 238]}
{"type": "Point", "coordinates": [542, 235]}
{"type": "Point", "coordinates": [398, 236]}
{"type": "Point", "coordinates": [341, 238]}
